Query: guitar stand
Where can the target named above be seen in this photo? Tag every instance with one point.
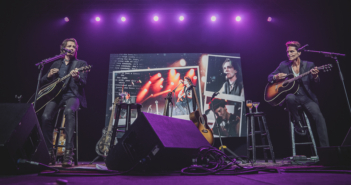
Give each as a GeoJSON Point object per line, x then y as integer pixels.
{"type": "Point", "coordinates": [96, 158]}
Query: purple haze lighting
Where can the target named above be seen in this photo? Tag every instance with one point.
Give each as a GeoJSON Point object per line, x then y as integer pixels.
{"type": "Point", "coordinates": [155, 18]}
{"type": "Point", "coordinates": [123, 19]}
{"type": "Point", "coordinates": [213, 18]}
{"type": "Point", "coordinates": [97, 19]}
{"type": "Point", "coordinates": [66, 19]}
{"type": "Point", "coordinates": [269, 19]}
{"type": "Point", "coordinates": [238, 18]}
{"type": "Point", "coordinates": [181, 18]}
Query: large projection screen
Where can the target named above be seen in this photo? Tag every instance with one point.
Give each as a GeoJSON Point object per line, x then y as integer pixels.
{"type": "Point", "coordinates": [148, 78]}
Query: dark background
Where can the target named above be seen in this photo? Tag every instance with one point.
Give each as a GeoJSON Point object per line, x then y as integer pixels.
{"type": "Point", "coordinates": [33, 30]}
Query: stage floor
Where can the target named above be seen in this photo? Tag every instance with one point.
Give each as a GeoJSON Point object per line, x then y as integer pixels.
{"type": "Point", "coordinates": [281, 173]}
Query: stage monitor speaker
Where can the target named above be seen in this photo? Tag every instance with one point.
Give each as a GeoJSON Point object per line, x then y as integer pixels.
{"type": "Point", "coordinates": [157, 143]}
{"type": "Point", "coordinates": [20, 138]}
{"type": "Point", "coordinates": [335, 155]}
{"type": "Point", "coordinates": [347, 140]}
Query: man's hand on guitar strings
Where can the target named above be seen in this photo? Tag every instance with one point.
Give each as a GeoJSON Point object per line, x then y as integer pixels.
{"type": "Point", "coordinates": [280, 76]}
{"type": "Point", "coordinates": [52, 72]}
{"type": "Point", "coordinates": [75, 73]}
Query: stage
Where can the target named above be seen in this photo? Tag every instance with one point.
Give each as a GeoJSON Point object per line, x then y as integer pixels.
{"type": "Point", "coordinates": [279, 173]}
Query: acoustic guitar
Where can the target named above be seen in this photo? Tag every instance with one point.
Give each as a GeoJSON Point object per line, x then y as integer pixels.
{"type": "Point", "coordinates": [103, 145]}
{"type": "Point", "coordinates": [49, 91]}
{"type": "Point", "coordinates": [275, 93]}
{"type": "Point", "coordinates": [199, 119]}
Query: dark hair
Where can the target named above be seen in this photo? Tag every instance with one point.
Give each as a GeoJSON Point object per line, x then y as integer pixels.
{"type": "Point", "coordinates": [216, 103]}
{"type": "Point", "coordinates": [295, 44]}
{"type": "Point", "coordinates": [236, 67]}
{"type": "Point", "coordinates": [64, 44]}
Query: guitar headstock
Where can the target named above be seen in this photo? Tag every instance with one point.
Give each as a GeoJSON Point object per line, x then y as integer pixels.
{"type": "Point", "coordinates": [326, 67]}
{"type": "Point", "coordinates": [116, 100]}
{"type": "Point", "coordinates": [85, 68]}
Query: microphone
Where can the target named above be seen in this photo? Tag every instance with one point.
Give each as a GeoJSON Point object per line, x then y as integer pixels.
{"type": "Point", "coordinates": [214, 95]}
{"type": "Point", "coordinates": [67, 50]}
{"type": "Point", "coordinates": [302, 48]}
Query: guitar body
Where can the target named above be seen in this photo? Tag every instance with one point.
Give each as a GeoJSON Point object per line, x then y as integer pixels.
{"type": "Point", "coordinates": [275, 93]}
{"type": "Point", "coordinates": [46, 94]}
{"type": "Point", "coordinates": [202, 126]}
{"type": "Point", "coordinates": [103, 145]}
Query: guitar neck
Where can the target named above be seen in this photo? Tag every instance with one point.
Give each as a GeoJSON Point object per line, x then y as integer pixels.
{"type": "Point", "coordinates": [197, 102]}
{"type": "Point", "coordinates": [303, 74]}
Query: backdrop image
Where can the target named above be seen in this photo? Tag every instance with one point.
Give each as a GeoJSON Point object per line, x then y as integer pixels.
{"type": "Point", "coordinates": [229, 115]}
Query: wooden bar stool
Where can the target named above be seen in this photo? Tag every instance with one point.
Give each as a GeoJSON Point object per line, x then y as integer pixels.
{"type": "Point", "coordinates": [60, 136]}
{"type": "Point", "coordinates": [264, 133]}
{"type": "Point", "coordinates": [116, 128]}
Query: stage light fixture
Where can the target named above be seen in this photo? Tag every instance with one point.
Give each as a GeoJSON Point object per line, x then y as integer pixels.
{"type": "Point", "coordinates": [161, 86]}
{"type": "Point", "coordinates": [182, 62]}
{"type": "Point", "coordinates": [195, 77]}
{"type": "Point", "coordinates": [191, 72]}
{"type": "Point", "coordinates": [162, 79]}
{"type": "Point", "coordinates": [155, 18]}
{"type": "Point", "coordinates": [172, 83]}
{"type": "Point", "coordinates": [159, 74]}
{"type": "Point", "coordinates": [177, 76]}
{"type": "Point", "coordinates": [173, 72]}
{"type": "Point", "coordinates": [213, 18]}
{"type": "Point", "coordinates": [66, 19]}
{"type": "Point", "coordinates": [123, 19]}
{"type": "Point", "coordinates": [181, 18]}
{"type": "Point", "coordinates": [238, 18]}
{"type": "Point", "coordinates": [97, 19]}
{"type": "Point", "coordinates": [269, 19]}
{"type": "Point", "coordinates": [145, 90]}
{"type": "Point", "coordinates": [149, 82]}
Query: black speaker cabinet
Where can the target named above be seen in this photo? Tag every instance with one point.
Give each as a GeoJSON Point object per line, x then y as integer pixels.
{"type": "Point", "coordinates": [155, 142]}
{"type": "Point", "coordinates": [335, 155]}
{"type": "Point", "coordinates": [20, 138]}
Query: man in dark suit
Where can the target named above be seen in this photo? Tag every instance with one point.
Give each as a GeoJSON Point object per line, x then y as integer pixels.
{"type": "Point", "coordinates": [72, 96]}
{"type": "Point", "coordinates": [304, 96]}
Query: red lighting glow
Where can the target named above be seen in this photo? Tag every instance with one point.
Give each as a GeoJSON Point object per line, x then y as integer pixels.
{"type": "Point", "coordinates": [172, 83]}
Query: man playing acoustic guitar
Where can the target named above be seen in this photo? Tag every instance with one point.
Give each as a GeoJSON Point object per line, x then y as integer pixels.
{"type": "Point", "coordinates": [304, 96]}
{"type": "Point", "coordinates": [181, 101]}
{"type": "Point", "coordinates": [72, 96]}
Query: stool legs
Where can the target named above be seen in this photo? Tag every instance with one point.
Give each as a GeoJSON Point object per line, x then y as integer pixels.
{"type": "Point", "coordinates": [248, 138]}
{"type": "Point", "coordinates": [253, 138]}
{"type": "Point", "coordinates": [76, 148]}
{"type": "Point", "coordinates": [268, 138]}
{"type": "Point", "coordinates": [264, 135]}
{"type": "Point", "coordinates": [311, 134]}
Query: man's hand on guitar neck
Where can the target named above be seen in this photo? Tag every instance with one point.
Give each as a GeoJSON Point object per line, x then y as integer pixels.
{"type": "Point", "coordinates": [279, 76]}
{"type": "Point", "coordinates": [75, 74]}
{"type": "Point", "coordinates": [52, 72]}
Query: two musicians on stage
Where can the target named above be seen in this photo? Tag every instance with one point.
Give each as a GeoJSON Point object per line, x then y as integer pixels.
{"type": "Point", "coordinates": [73, 96]}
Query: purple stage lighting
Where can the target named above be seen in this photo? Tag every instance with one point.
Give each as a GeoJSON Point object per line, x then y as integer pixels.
{"type": "Point", "coordinates": [66, 19]}
{"type": "Point", "coordinates": [123, 19]}
{"type": "Point", "coordinates": [213, 18]}
{"type": "Point", "coordinates": [238, 18]}
{"type": "Point", "coordinates": [269, 19]}
{"type": "Point", "coordinates": [181, 18]}
{"type": "Point", "coordinates": [97, 19]}
{"type": "Point", "coordinates": [155, 18]}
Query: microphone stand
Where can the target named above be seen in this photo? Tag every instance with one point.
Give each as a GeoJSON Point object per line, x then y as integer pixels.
{"type": "Point", "coordinates": [41, 67]}
{"type": "Point", "coordinates": [219, 134]}
{"type": "Point", "coordinates": [334, 56]}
